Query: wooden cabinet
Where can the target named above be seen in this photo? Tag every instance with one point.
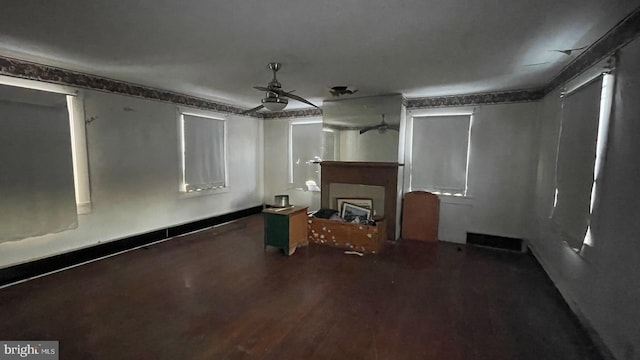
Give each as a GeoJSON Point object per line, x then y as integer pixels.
{"type": "Point", "coordinates": [285, 228]}
{"type": "Point", "coordinates": [348, 236]}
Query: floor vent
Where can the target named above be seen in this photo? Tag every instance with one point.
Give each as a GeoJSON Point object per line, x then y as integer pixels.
{"type": "Point", "coordinates": [497, 242]}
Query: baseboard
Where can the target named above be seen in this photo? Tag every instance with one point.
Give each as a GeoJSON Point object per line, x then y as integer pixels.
{"type": "Point", "coordinates": [602, 348]}
{"type": "Point", "coordinates": [24, 271]}
{"type": "Point", "coordinates": [496, 242]}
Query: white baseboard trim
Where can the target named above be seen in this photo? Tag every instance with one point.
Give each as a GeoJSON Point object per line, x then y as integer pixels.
{"type": "Point", "coordinates": [573, 305]}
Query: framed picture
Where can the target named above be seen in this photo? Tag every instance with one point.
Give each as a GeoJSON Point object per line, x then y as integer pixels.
{"type": "Point", "coordinates": [350, 211]}
{"type": "Point", "coordinates": [362, 202]}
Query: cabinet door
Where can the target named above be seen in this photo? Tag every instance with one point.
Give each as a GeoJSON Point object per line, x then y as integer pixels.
{"type": "Point", "coordinates": [276, 231]}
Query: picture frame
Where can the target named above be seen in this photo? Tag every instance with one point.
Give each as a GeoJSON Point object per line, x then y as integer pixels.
{"type": "Point", "coordinates": [350, 211]}
{"type": "Point", "coordinates": [362, 202]}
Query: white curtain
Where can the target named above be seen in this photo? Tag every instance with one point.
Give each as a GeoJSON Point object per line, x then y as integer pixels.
{"type": "Point", "coordinates": [37, 194]}
{"type": "Point", "coordinates": [204, 166]}
{"type": "Point", "coordinates": [575, 161]}
{"type": "Point", "coordinates": [439, 153]}
{"type": "Point", "coordinates": [306, 147]}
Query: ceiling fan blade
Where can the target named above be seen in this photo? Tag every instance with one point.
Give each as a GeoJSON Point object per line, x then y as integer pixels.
{"type": "Point", "coordinates": [252, 110]}
{"type": "Point", "coordinates": [368, 128]}
{"type": "Point", "coordinates": [296, 97]}
{"type": "Point", "coordinates": [274, 87]}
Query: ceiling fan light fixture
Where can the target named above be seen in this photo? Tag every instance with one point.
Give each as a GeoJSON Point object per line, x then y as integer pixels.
{"type": "Point", "coordinates": [274, 103]}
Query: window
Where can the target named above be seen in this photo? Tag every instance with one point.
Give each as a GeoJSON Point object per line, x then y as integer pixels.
{"type": "Point", "coordinates": [579, 162]}
{"type": "Point", "coordinates": [44, 181]}
{"type": "Point", "coordinates": [440, 154]}
{"type": "Point", "coordinates": [305, 150]}
{"type": "Point", "coordinates": [203, 152]}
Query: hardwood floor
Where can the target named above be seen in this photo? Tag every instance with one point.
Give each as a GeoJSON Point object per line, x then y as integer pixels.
{"type": "Point", "coordinates": [218, 295]}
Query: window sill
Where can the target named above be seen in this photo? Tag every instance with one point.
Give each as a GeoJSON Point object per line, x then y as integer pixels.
{"type": "Point", "coordinates": [193, 194]}
{"type": "Point", "coordinates": [293, 187]}
{"type": "Point", "coordinates": [83, 208]}
{"type": "Point", "coordinates": [452, 199]}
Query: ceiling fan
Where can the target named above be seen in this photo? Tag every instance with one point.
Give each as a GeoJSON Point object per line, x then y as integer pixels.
{"type": "Point", "coordinates": [276, 99]}
{"type": "Point", "coordinates": [382, 127]}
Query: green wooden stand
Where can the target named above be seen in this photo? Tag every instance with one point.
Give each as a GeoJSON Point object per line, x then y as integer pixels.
{"type": "Point", "coordinates": [285, 228]}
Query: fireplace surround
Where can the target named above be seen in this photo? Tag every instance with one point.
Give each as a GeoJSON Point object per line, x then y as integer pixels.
{"type": "Point", "coordinates": [384, 174]}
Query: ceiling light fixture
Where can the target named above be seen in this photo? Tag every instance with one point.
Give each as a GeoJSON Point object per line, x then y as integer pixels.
{"type": "Point", "coordinates": [274, 103]}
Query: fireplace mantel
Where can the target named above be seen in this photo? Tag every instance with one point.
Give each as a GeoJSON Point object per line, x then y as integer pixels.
{"type": "Point", "coordinates": [384, 174]}
{"type": "Point", "coordinates": [360, 164]}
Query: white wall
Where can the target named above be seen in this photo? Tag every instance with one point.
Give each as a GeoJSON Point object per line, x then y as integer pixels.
{"type": "Point", "coordinates": [370, 146]}
{"type": "Point", "coordinates": [502, 167]}
{"type": "Point", "coordinates": [134, 172]}
{"type": "Point", "coordinates": [601, 285]}
{"type": "Point", "coordinates": [502, 172]}
{"type": "Point", "coordinates": [276, 171]}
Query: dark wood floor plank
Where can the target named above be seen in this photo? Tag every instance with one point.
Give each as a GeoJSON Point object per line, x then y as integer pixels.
{"type": "Point", "coordinates": [218, 294]}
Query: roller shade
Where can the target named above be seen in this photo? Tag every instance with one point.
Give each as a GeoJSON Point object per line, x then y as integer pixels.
{"type": "Point", "coordinates": [575, 161]}
{"type": "Point", "coordinates": [306, 147]}
{"type": "Point", "coordinates": [37, 195]}
{"type": "Point", "coordinates": [204, 166]}
{"type": "Point", "coordinates": [439, 153]}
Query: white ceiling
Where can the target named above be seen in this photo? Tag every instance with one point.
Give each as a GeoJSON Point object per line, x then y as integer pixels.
{"type": "Point", "coordinates": [219, 49]}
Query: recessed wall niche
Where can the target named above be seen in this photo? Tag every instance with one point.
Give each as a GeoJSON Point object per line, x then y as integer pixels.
{"type": "Point", "coordinates": [358, 191]}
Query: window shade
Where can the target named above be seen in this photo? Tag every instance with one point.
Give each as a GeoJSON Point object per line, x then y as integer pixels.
{"type": "Point", "coordinates": [204, 166]}
{"type": "Point", "coordinates": [37, 194]}
{"type": "Point", "coordinates": [439, 153]}
{"type": "Point", "coordinates": [575, 161]}
{"type": "Point", "coordinates": [306, 147]}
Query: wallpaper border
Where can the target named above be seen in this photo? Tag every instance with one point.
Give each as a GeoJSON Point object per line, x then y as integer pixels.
{"type": "Point", "coordinates": [50, 74]}
{"type": "Point", "coordinates": [476, 99]}
{"type": "Point", "coordinates": [293, 113]}
{"type": "Point", "coordinates": [620, 35]}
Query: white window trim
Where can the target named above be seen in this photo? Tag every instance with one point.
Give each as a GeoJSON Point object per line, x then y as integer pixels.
{"type": "Point", "coordinates": [457, 111]}
{"type": "Point", "coordinates": [79, 153]}
{"type": "Point", "coordinates": [604, 66]}
{"type": "Point", "coordinates": [181, 111]}
{"type": "Point", "coordinates": [38, 85]}
{"type": "Point", "coordinates": [292, 123]}
{"type": "Point", "coordinates": [77, 131]}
